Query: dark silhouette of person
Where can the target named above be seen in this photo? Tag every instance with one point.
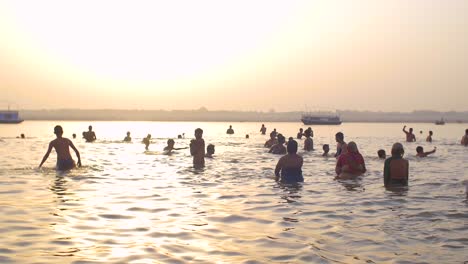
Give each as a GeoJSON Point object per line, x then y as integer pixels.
{"type": "Point", "coordinates": [263, 129]}
{"type": "Point", "coordinates": [230, 131]}
{"type": "Point", "coordinates": [128, 138]}
{"type": "Point", "coordinates": [89, 135]}
{"type": "Point", "coordinates": [62, 148]}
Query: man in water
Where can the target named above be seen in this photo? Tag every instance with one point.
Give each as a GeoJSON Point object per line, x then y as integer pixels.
{"type": "Point", "coordinates": [210, 150]}
{"type": "Point", "coordinates": [90, 136]}
{"type": "Point", "coordinates": [308, 142]}
{"type": "Point", "coordinates": [74, 136]}
{"type": "Point", "coordinates": [272, 141]}
{"type": "Point", "coordinates": [341, 146]}
{"type": "Point", "coordinates": [62, 148]}
{"type": "Point", "coordinates": [410, 137]}
{"type": "Point", "coordinates": [429, 137]}
{"type": "Point", "coordinates": [289, 167]}
{"type": "Point", "coordinates": [263, 129]}
{"type": "Point", "coordinates": [147, 141]}
{"type": "Point", "coordinates": [396, 168]}
{"type": "Point", "coordinates": [230, 131]}
{"type": "Point", "coordinates": [128, 138]}
{"type": "Point", "coordinates": [279, 147]}
{"type": "Point", "coordinates": [420, 152]}
{"type": "Point", "coordinates": [300, 133]}
{"type": "Point", "coordinates": [197, 149]}
{"type": "Point", "coordinates": [464, 140]}
{"type": "Point", "coordinates": [381, 153]}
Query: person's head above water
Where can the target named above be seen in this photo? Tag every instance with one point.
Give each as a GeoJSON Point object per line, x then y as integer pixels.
{"type": "Point", "coordinates": [22, 136]}
{"type": "Point", "coordinates": [411, 130]}
{"type": "Point", "coordinates": [339, 136]}
{"type": "Point", "coordinates": [430, 132]}
{"type": "Point", "coordinates": [352, 147]}
{"type": "Point", "coordinates": [230, 126]}
{"type": "Point", "coordinates": [128, 133]}
{"type": "Point", "coordinates": [300, 129]}
{"type": "Point", "coordinates": [198, 133]}
{"type": "Point", "coordinates": [326, 148]}
{"type": "Point", "coordinates": [466, 131]}
{"type": "Point", "coordinates": [58, 130]}
{"type": "Point", "coordinates": [170, 142]}
{"type": "Point", "coordinates": [247, 136]}
{"type": "Point", "coordinates": [308, 133]}
{"type": "Point", "coordinates": [148, 136]}
{"type": "Point", "coordinates": [419, 149]}
{"type": "Point", "coordinates": [281, 139]}
{"type": "Point", "coordinates": [381, 153]}
{"type": "Point", "coordinates": [74, 135]}
{"type": "Point", "coordinates": [210, 149]}
{"type": "Point", "coordinates": [292, 147]}
{"type": "Point", "coordinates": [397, 150]}
{"type": "Point", "coordinates": [90, 128]}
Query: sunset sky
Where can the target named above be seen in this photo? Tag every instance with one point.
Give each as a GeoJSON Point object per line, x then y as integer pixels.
{"type": "Point", "coordinates": [375, 55]}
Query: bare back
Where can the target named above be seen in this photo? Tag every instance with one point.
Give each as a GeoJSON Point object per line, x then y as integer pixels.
{"type": "Point", "coordinates": [62, 147]}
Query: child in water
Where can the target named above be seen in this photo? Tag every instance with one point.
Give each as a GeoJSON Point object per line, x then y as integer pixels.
{"type": "Point", "coordinates": [170, 146]}
{"type": "Point", "coordinates": [381, 153]}
{"type": "Point", "coordinates": [396, 168]}
{"type": "Point", "coordinates": [62, 148]}
{"type": "Point", "coordinates": [422, 154]}
{"type": "Point", "coordinates": [326, 149]}
{"type": "Point", "coordinates": [210, 150]}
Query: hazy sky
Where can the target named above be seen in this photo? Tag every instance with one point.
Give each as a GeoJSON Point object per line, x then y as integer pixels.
{"type": "Point", "coordinates": [396, 55]}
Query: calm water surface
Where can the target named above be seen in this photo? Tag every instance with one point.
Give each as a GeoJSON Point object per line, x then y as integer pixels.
{"type": "Point", "coordinates": [128, 205]}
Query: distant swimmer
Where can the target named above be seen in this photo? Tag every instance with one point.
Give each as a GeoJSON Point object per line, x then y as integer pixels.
{"type": "Point", "coordinates": [170, 146]}
{"type": "Point", "coordinates": [272, 141]}
{"type": "Point", "coordinates": [396, 168]}
{"type": "Point", "coordinates": [89, 135]}
{"type": "Point", "coordinates": [247, 136]}
{"type": "Point", "coordinates": [381, 153]}
{"type": "Point", "coordinates": [179, 136]}
{"type": "Point", "coordinates": [279, 147]}
{"type": "Point", "coordinates": [326, 149]}
{"type": "Point", "coordinates": [350, 164]}
{"type": "Point", "coordinates": [197, 149]}
{"type": "Point", "coordinates": [263, 129]}
{"type": "Point", "coordinates": [341, 146]}
{"type": "Point", "coordinates": [308, 142]}
{"type": "Point", "coordinates": [62, 148]}
{"type": "Point", "coordinates": [22, 136]}
{"type": "Point", "coordinates": [74, 135]}
{"type": "Point", "coordinates": [464, 140]}
{"type": "Point", "coordinates": [289, 167]}
{"type": "Point", "coordinates": [410, 137]}
{"type": "Point", "coordinates": [128, 138]}
{"type": "Point", "coordinates": [210, 150]}
{"type": "Point", "coordinates": [230, 131]}
{"type": "Point", "coordinates": [300, 133]}
{"type": "Point", "coordinates": [147, 141]}
{"type": "Point", "coordinates": [429, 137]}
{"type": "Point", "coordinates": [420, 152]}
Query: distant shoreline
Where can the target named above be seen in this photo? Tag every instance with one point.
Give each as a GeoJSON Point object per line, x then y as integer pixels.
{"type": "Point", "coordinates": [203, 115]}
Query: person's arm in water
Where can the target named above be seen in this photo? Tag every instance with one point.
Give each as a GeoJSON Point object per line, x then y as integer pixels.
{"type": "Point", "coordinates": [77, 153]}
{"type": "Point", "coordinates": [47, 154]}
{"type": "Point", "coordinates": [279, 165]}
{"type": "Point", "coordinates": [430, 152]}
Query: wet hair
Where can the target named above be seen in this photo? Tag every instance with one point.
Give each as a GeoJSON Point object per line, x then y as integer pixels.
{"type": "Point", "coordinates": [210, 148]}
{"type": "Point", "coordinates": [381, 153]}
{"type": "Point", "coordinates": [128, 132]}
{"type": "Point", "coordinates": [90, 127]}
{"type": "Point", "coordinates": [58, 130]}
{"type": "Point", "coordinates": [74, 135]}
{"type": "Point", "coordinates": [397, 150]}
{"type": "Point", "coordinates": [246, 135]}
{"type": "Point", "coordinates": [300, 129]}
{"type": "Point", "coordinates": [430, 132]}
{"type": "Point", "coordinates": [292, 147]}
{"type": "Point", "coordinates": [22, 136]}
{"type": "Point", "coordinates": [411, 129]}
{"type": "Point", "coordinates": [179, 136]}
{"type": "Point", "coordinates": [339, 135]}
{"type": "Point", "coordinates": [325, 146]}
{"type": "Point", "coordinates": [169, 141]}
{"type": "Point", "coordinates": [419, 149]}
{"type": "Point", "coordinates": [281, 139]}
{"type": "Point", "coordinates": [198, 130]}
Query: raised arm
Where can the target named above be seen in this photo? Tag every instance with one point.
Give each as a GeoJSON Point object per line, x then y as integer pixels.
{"type": "Point", "coordinates": [431, 152]}
{"type": "Point", "coordinates": [404, 130]}
{"type": "Point", "coordinates": [46, 155]}
{"type": "Point", "coordinates": [77, 153]}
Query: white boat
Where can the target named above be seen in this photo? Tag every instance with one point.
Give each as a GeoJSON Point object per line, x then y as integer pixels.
{"type": "Point", "coordinates": [10, 117]}
{"type": "Point", "coordinates": [311, 119]}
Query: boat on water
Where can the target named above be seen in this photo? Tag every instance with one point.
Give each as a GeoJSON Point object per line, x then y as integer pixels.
{"type": "Point", "coordinates": [440, 122]}
{"type": "Point", "coordinates": [10, 117]}
{"type": "Point", "coordinates": [311, 119]}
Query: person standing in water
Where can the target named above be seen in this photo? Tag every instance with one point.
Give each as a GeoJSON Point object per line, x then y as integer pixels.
{"type": "Point", "coordinates": [396, 168]}
{"type": "Point", "coordinates": [197, 149]}
{"type": "Point", "coordinates": [341, 146]}
{"type": "Point", "coordinates": [464, 140]}
{"type": "Point", "coordinates": [410, 137]}
{"type": "Point", "coordinates": [308, 142]}
{"type": "Point", "coordinates": [230, 131]}
{"type": "Point", "coordinates": [147, 141]}
{"type": "Point", "coordinates": [289, 167]}
{"type": "Point", "coordinates": [128, 138]}
{"type": "Point", "coordinates": [300, 133]}
{"type": "Point", "coordinates": [263, 129]}
{"type": "Point", "coordinates": [62, 148]}
{"type": "Point", "coordinates": [90, 136]}
{"type": "Point", "coordinates": [429, 137]}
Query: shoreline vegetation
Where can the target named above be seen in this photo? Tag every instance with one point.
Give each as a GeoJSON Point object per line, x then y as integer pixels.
{"type": "Point", "coordinates": [204, 115]}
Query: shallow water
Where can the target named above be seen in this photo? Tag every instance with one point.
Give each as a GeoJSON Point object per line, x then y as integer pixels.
{"type": "Point", "coordinates": [128, 205]}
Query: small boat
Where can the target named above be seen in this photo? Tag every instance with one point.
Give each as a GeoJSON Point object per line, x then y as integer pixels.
{"type": "Point", "coordinates": [10, 117]}
{"type": "Point", "coordinates": [440, 122]}
{"type": "Point", "coordinates": [309, 119]}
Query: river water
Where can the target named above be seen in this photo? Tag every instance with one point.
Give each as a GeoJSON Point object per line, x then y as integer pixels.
{"type": "Point", "coordinates": [128, 205]}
